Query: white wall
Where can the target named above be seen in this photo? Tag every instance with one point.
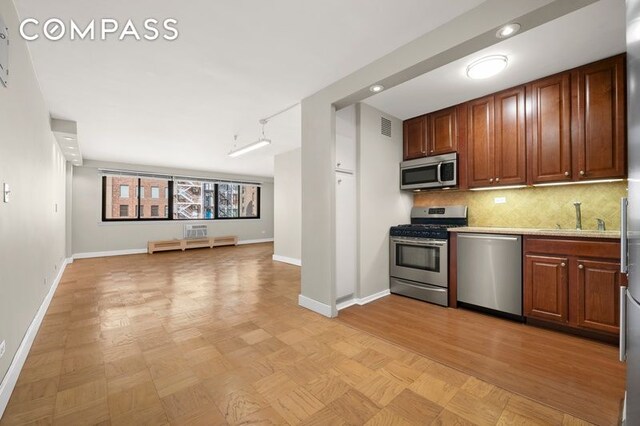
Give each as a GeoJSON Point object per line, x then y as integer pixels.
{"type": "Point", "coordinates": [381, 204]}
{"type": "Point", "coordinates": [288, 207]}
{"type": "Point", "coordinates": [32, 232]}
{"type": "Point", "coordinates": [91, 235]}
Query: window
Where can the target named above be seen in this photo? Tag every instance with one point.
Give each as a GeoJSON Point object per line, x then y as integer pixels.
{"type": "Point", "coordinates": [228, 200]}
{"type": "Point", "coordinates": [249, 205]}
{"type": "Point", "coordinates": [117, 203]}
{"type": "Point", "coordinates": [179, 199]}
{"type": "Point", "coordinates": [187, 199]}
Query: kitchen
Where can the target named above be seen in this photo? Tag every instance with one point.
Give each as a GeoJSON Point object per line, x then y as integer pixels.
{"type": "Point", "coordinates": [528, 180]}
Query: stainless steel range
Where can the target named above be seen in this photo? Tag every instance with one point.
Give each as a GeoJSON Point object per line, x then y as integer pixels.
{"type": "Point", "coordinates": [419, 253]}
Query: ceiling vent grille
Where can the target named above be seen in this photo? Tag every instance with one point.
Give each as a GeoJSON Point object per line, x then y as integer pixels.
{"type": "Point", "coordinates": [385, 126]}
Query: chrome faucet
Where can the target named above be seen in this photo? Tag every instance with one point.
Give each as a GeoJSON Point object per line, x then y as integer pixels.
{"type": "Point", "coordinates": [601, 225]}
{"type": "Point", "coordinates": [578, 215]}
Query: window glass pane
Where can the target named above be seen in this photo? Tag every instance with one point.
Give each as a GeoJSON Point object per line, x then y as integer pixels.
{"type": "Point", "coordinates": [209, 199]}
{"type": "Point", "coordinates": [117, 202]}
{"type": "Point", "coordinates": [187, 199]}
{"type": "Point", "coordinates": [142, 192]}
{"type": "Point", "coordinates": [158, 188]}
{"type": "Point", "coordinates": [228, 200]}
{"type": "Point", "coordinates": [249, 201]}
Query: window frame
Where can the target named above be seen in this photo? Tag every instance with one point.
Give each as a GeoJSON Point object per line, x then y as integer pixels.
{"type": "Point", "coordinates": [170, 200]}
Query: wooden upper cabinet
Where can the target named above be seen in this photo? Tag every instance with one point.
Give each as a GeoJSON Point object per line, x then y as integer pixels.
{"type": "Point", "coordinates": [415, 134]}
{"type": "Point", "coordinates": [480, 142]}
{"type": "Point", "coordinates": [546, 288]}
{"type": "Point", "coordinates": [599, 295]}
{"type": "Point", "coordinates": [599, 120]}
{"type": "Point", "coordinates": [443, 131]}
{"type": "Point", "coordinates": [510, 143]}
{"type": "Point", "coordinates": [549, 129]}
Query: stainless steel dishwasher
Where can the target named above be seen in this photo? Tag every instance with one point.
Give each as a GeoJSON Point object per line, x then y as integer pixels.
{"type": "Point", "coordinates": [490, 272]}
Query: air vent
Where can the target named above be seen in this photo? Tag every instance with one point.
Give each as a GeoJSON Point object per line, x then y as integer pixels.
{"type": "Point", "coordinates": [385, 126]}
{"type": "Point", "coordinates": [195, 231]}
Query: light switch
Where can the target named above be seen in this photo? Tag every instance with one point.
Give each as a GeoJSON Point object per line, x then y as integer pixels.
{"type": "Point", "coordinates": [6, 192]}
{"type": "Point", "coordinates": [500, 200]}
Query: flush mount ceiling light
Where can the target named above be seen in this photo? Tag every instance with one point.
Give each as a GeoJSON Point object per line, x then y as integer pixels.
{"type": "Point", "coordinates": [69, 138]}
{"type": "Point", "coordinates": [376, 88]}
{"type": "Point", "coordinates": [487, 67]}
{"type": "Point", "coordinates": [508, 30]}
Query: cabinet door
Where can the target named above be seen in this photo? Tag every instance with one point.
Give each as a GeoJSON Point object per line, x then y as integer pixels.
{"type": "Point", "coordinates": [600, 97]}
{"type": "Point", "coordinates": [599, 295]}
{"type": "Point", "coordinates": [549, 102]}
{"type": "Point", "coordinates": [415, 134]}
{"type": "Point", "coordinates": [510, 143]}
{"type": "Point", "coordinates": [443, 131]}
{"type": "Point", "coordinates": [546, 288]}
{"type": "Point", "coordinates": [480, 142]}
{"type": "Point", "coordinates": [346, 139]}
{"type": "Point", "coordinates": [346, 238]}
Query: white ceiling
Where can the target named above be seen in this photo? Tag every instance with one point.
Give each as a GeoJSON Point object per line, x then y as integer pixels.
{"type": "Point", "coordinates": [591, 33]}
{"type": "Point", "coordinates": [178, 104]}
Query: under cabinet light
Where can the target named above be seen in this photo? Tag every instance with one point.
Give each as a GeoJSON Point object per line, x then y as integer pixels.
{"type": "Point", "coordinates": [582, 182]}
{"type": "Point", "coordinates": [495, 188]}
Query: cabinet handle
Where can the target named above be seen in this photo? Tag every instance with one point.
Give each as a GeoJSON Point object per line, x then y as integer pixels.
{"type": "Point", "coordinates": [566, 173]}
{"type": "Point", "coordinates": [580, 266]}
{"type": "Point", "coordinates": [431, 151]}
{"type": "Point", "coordinates": [491, 180]}
{"type": "Point", "coordinates": [563, 264]}
{"type": "Point", "coordinates": [582, 173]}
{"type": "Point", "coordinates": [497, 179]}
{"type": "Point", "coordinates": [424, 152]}
{"type": "Point", "coordinates": [339, 164]}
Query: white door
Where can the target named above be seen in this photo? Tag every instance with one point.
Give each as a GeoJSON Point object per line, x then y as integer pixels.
{"type": "Point", "coordinates": [346, 232]}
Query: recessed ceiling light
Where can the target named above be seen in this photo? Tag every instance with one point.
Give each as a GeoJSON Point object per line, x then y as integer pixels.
{"type": "Point", "coordinates": [69, 138]}
{"type": "Point", "coordinates": [376, 88]}
{"type": "Point", "coordinates": [487, 67]}
{"type": "Point", "coordinates": [508, 30]}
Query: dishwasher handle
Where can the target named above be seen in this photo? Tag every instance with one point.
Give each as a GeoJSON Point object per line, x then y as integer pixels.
{"type": "Point", "coordinates": [488, 237]}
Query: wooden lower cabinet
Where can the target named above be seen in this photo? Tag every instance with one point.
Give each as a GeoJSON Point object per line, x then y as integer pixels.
{"type": "Point", "coordinates": [573, 283]}
{"type": "Point", "coordinates": [598, 288]}
{"type": "Point", "coordinates": [547, 288]}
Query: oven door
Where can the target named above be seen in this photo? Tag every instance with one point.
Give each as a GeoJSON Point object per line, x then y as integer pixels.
{"type": "Point", "coordinates": [420, 260]}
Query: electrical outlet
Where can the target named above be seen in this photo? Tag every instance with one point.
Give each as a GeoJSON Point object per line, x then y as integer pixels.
{"type": "Point", "coordinates": [500, 200]}
{"type": "Point", "coordinates": [56, 208]}
{"type": "Point", "coordinates": [3, 348]}
{"type": "Point", "coordinates": [6, 191]}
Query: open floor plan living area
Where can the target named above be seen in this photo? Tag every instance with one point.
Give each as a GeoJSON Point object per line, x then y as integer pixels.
{"type": "Point", "coordinates": [355, 212]}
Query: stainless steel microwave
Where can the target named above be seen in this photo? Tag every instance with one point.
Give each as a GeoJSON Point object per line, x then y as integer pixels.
{"type": "Point", "coordinates": [439, 171]}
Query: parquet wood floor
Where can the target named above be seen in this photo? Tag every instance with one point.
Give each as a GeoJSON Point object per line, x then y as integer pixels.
{"type": "Point", "coordinates": [215, 337]}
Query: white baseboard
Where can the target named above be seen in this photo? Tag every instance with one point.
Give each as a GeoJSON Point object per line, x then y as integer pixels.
{"type": "Point", "coordinates": [362, 301]}
{"type": "Point", "coordinates": [315, 306]}
{"type": "Point", "coordinates": [11, 378]}
{"type": "Point", "coordinates": [264, 240]}
{"type": "Point", "coordinates": [376, 296]}
{"type": "Point", "coordinates": [289, 260]}
{"type": "Point", "coordinates": [346, 304]}
{"type": "Point", "coordinates": [91, 255]}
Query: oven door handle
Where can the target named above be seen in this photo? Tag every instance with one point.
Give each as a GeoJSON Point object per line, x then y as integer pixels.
{"type": "Point", "coordinates": [419, 243]}
{"type": "Point", "coordinates": [439, 172]}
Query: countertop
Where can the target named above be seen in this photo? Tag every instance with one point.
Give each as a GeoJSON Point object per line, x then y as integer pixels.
{"type": "Point", "coordinates": [569, 233]}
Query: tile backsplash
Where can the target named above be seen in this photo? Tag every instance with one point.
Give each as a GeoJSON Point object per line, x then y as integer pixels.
{"type": "Point", "coordinates": [536, 207]}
